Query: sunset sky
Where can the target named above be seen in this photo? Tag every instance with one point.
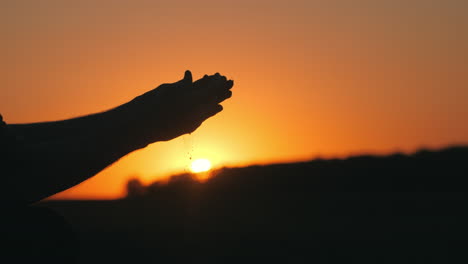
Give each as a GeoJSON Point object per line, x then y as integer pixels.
{"type": "Point", "coordinates": [312, 78]}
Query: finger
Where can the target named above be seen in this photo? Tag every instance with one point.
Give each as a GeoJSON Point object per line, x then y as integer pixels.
{"type": "Point", "coordinates": [223, 96]}
{"type": "Point", "coordinates": [212, 89]}
{"type": "Point", "coordinates": [213, 82]}
{"type": "Point", "coordinates": [219, 77]}
{"type": "Point", "coordinates": [202, 83]}
{"type": "Point", "coordinates": [229, 84]}
{"type": "Point", "coordinates": [221, 82]}
{"type": "Point", "coordinates": [216, 76]}
{"type": "Point", "coordinates": [210, 110]}
{"type": "Point", "coordinates": [211, 94]}
{"type": "Point", "coordinates": [218, 93]}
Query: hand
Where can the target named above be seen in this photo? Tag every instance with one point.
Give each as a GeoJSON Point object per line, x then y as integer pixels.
{"type": "Point", "coordinates": [172, 110]}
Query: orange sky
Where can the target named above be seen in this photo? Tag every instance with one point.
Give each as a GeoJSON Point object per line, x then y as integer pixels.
{"type": "Point", "coordinates": [312, 78]}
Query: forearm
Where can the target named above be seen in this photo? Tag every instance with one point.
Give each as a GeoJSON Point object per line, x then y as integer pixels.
{"type": "Point", "coordinates": [34, 133]}
{"type": "Point", "coordinates": [53, 156]}
{"type": "Point", "coordinates": [50, 167]}
{"type": "Point", "coordinates": [50, 157]}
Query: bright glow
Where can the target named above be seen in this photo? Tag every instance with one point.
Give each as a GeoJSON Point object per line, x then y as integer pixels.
{"type": "Point", "coordinates": [200, 165]}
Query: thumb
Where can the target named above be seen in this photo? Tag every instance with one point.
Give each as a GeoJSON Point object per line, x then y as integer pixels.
{"type": "Point", "coordinates": [187, 78]}
{"type": "Point", "coordinates": [185, 82]}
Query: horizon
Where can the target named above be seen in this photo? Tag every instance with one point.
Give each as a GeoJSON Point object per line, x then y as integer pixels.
{"type": "Point", "coordinates": [213, 172]}
{"type": "Point", "coordinates": [312, 78]}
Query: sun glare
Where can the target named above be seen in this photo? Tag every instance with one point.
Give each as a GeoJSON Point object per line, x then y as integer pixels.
{"type": "Point", "coordinates": [200, 165]}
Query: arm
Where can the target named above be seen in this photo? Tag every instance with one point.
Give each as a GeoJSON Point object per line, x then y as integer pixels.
{"type": "Point", "coordinates": [52, 131]}
{"type": "Point", "coordinates": [53, 156]}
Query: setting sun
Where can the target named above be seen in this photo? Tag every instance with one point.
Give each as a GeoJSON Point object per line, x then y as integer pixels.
{"type": "Point", "coordinates": [200, 165]}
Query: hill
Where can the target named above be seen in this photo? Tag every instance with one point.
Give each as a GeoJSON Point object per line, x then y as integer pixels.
{"type": "Point", "coordinates": [364, 209]}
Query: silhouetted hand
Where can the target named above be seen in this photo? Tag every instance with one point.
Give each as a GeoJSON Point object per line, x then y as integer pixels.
{"type": "Point", "coordinates": [178, 108]}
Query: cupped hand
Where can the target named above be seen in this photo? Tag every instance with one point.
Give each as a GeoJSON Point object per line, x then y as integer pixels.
{"type": "Point", "coordinates": [174, 109]}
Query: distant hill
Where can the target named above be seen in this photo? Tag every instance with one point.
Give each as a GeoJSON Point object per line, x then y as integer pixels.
{"type": "Point", "coordinates": [425, 170]}
{"type": "Point", "coordinates": [363, 209]}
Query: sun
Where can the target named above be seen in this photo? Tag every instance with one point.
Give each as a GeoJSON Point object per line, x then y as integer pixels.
{"type": "Point", "coordinates": [200, 165]}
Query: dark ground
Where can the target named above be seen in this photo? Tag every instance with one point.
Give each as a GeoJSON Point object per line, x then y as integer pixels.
{"type": "Point", "coordinates": [366, 209]}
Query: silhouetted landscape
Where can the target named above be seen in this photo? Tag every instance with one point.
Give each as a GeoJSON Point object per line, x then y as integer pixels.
{"type": "Point", "coordinates": [363, 209]}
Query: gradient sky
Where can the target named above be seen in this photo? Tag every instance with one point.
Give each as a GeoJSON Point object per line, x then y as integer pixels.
{"type": "Point", "coordinates": [312, 78]}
